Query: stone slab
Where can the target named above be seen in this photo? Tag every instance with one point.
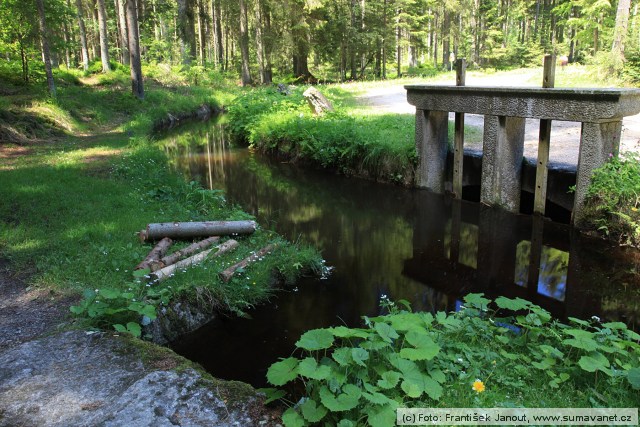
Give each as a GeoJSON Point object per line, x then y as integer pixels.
{"type": "Point", "coordinates": [79, 378]}
{"type": "Point", "coordinates": [579, 105]}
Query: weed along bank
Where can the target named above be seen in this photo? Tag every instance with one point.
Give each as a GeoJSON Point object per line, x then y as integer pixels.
{"type": "Point", "coordinates": [600, 111]}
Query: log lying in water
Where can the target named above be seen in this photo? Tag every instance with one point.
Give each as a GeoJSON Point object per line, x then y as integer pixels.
{"type": "Point", "coordinates": [166, 272]}
{"type": "Point", "coordinates": [156, 253]}
{"type": "Point", "coordinates": [183, 253]}
{"type": "Point", "coordinates": [186, 230]}
{"type": "Point", "coordinates": [227, 274]}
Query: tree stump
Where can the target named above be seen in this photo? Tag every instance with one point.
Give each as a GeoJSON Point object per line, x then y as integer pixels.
{"type": "Point", "coordinates": [317, 101]}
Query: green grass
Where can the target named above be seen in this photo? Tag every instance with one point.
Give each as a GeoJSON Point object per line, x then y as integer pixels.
{"type": "Point", "coordinates": [354, 139]}
{"type": "Point", "coordinates": [72, 208]}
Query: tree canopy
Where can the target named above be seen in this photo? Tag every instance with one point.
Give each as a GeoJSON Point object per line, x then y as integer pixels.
{"type": "Point", "coordinates": [310, 40]}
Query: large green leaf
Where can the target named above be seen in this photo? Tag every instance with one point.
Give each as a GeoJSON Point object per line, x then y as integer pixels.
{"type": "Point", "coordinates": [476, 300]}
{"type": "Point", "coordinates": [382, 417]}
{"type": "Point", "coordinates": [313, 412]}
{"type": "Point", "coordinates": [343, 401]}
{"type": "Point", "coordinates": [412, 388]}
{"type": "Point", "coordinates": [309, 368]}
{"type": "Point", "coordinates": [342, 355]}
{"type": "Point", "coordinates": [344, 332]}
{"type": "Point", "coordinates": [389, 379]}
{"type": "Point", "coordinates": [359, 355]}
{"type": "Point", "coordinates": [291, 418]}
{"type": "Point", "coordinates": [282, 372]}
{"type": "Point", "coordinates": [386, 331]}
{"type": "Point", "coordinates": [594, 362]}
{"type": "Point", "coordinates": [512, 304]}
{"type": "Point", "coordinates": [426, 348]}
{"type": "Point", "coordinates": [581, 339]}
{"type": "Point", "coordinates": [407, 322]}
{"type": "Point", "coordinates": [432, 388]}
{"type": "Point", "coordinates": [633, 376]}
{"type": "Point", "coordinates": [316, 339]}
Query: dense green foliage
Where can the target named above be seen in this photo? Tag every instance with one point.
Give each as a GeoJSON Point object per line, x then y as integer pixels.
{"type": "Point", "coordinates": [481, 356]}
{"type": "Point", "coordinates": [613, 199]}
{"type": "Point", "coordinates": [379, 146]}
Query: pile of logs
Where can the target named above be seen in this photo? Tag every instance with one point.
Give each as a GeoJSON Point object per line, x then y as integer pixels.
{"type": "Point", "coordinates": [162, 266]}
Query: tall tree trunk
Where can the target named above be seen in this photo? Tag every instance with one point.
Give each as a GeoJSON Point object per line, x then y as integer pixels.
{"type": "Point", "coordinates": [123, 32]}
{"type": "Point", "coordinates": [244, 44]}
{"type": "Point", "coordinates": [446, 41]}
{"type": "Point", "coordinates": [268, 41]}
{"type": "Point", "coordinates": [137, 87]}
{"type": "Point", "coordinates": [45, 47]}
{"type": "Point", "coordinates": [300, 37]}
{"type": "Point", "coordinates": [104, 36]}
{"type": "Point", "coordinates": [67, 42]}
{"type": "Point", "coordinates": [186, 31]}
{"type": "Point", "coordinates": [83, 36]}
{"type": "Point", "coordinates": [384, 40]}
{"type": "Point", "coordinates": [620, 30]}
{"type": "Point", "coordinates": [261, 50]}
{"type": "Point", "coordinates": [202, 19]}
{"type": "Point", "coordinates": [398, 45]}
{"type": "Point", "coordinates": [217, 29]}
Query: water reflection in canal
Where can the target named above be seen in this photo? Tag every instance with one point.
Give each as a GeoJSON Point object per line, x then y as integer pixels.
{"type": "Point", "coordinates": [386, 240]}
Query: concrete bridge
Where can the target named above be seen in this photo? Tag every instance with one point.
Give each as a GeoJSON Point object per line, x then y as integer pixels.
{"type": "Point", "coordinates": [600, 112]}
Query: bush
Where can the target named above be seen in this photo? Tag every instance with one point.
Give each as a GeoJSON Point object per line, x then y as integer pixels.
{"type": "Point", "coordinates": [472, 358]}
{"type": "Point", "coordinates": [378, 146]}
{"type": "Point", "coordinates": [613, 199]}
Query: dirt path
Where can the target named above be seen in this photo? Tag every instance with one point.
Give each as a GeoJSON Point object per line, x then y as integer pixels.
{"type": "Point", "coordinates": [27, 313]}
{"type": "Point", "coordinates": [565, 136]}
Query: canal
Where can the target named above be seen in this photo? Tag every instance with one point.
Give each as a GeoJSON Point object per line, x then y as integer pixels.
{"type": "Point", "coordinates": [383, 240]}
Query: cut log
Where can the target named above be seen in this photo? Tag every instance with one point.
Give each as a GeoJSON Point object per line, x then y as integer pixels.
{"type": "Point", "coordinates": [156, 253]}
{"type": "Point", "coordinates": [166, 272]}
{"type": "Point", "coordinates": [183, 253]}
{"type": "Point", "coordinates": [227, 274]}
{"type": "Point", "coordinates": [187, 230]}
{"type": "Point", "coordinates": [317, 101]}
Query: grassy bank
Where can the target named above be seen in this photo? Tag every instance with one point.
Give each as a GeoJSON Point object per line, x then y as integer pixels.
{"type": "Point", "coordinates": [376, 146]}
{"type": "Point", "coordinates": [491, 354]}
{"type": "Point", "coordinates": [77, 191]}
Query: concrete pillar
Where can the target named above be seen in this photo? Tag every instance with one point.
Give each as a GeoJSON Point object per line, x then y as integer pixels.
{"type": "Point", "coordinates": [432, 128]}
{"type": "Point", "coordinates": [503, 148]}
{"type": "Point", "coordinates": [597, 142]}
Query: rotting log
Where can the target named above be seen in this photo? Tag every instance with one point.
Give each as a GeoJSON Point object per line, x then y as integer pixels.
{"type": "Point", "coordinates": [317, 101]}
{"type": "Point", "coordinates": [187, 230]}
{"type": "Point", "coordinates": [166, 272]}
{"type": "Point", "coordinates": [155, 254]}
{"type": "Point", "coordinates": [227, 274]}
{"type": "Point", "coordinates": [183, 253]}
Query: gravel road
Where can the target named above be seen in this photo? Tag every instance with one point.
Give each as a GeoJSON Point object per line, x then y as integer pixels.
{"type": "Point", "coordinates": [565, 136]}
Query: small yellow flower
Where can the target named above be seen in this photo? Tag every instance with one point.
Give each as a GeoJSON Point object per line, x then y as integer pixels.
{"type": "Point", "coordinates": [634, 209]}
{"type": "Point", "coordinates": [478, 386]}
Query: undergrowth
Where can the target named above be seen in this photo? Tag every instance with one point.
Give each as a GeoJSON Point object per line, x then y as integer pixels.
{"type": "Point", "coordinates": [378, 146]}
{"type": "Point", "coordinates": [503, 353]}
{"type": "Point", "coordinates": [613, 199]}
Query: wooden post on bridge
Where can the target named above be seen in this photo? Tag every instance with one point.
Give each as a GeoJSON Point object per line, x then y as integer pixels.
{"type": "Point", "coordinates": [542, 171]}
{"type": "Point", "coordinates": [548, 81]}
{"type": "Point", "coordinates": [458, 147]}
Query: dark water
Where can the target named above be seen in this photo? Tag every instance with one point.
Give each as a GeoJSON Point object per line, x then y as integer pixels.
{"type": "Point", "coordinates": [386, 240]}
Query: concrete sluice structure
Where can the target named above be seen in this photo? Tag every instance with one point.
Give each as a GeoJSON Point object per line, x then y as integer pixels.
{"type": "Point", "coordinates": [600, 111]}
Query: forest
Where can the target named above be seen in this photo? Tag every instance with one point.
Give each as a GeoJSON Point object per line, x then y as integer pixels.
{"type": "Point", "coordinates": [257, 41]}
